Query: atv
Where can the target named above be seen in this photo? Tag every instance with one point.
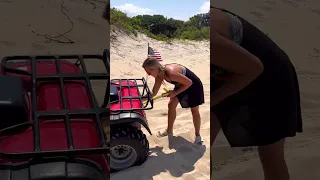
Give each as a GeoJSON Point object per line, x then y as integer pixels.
{"type": "Point", "coordinates": [51, 123]}
{"type": "Point", "coordinates": [129, 98]}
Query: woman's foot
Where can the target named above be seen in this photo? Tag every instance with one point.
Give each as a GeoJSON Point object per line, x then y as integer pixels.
{"type": "Point", "coordinates": [198, 140]}
{"type": "Point", "coordinates": [163, 134]}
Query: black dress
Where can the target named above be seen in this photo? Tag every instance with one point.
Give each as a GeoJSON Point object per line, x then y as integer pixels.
{"type": "Point", "coordinates": [194, 95]}
{"type": "Point", "coordinates": [268, 109]}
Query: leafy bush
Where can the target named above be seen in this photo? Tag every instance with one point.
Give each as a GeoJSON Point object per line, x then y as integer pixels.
{"type": "Point", "coordinates": [162, 28]}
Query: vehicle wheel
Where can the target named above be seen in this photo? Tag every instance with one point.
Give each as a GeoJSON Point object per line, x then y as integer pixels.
{"type": "Point", "coordinates": [129, 147]}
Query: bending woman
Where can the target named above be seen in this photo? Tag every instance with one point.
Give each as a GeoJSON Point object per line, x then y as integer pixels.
{"type": "Point", "coordinates": [188, 91]}
{"type": "Point", "coordinates": [255, 91]}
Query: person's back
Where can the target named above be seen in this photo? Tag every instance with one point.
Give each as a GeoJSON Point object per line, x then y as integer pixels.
{"type": "Point", "coordinates": [240, 31]}
{"type": "Point", "coordinates": [226, 20]}
{"type": "Point", "coordinates": [220, 22]}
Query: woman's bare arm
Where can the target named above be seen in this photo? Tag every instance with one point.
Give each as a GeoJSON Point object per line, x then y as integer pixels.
{"type": "Point", "coordinates": [244, 66]}
{"type": "Point", "coordinates": [156, 86]}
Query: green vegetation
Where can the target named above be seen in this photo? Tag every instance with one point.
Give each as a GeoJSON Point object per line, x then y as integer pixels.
{"type": "Point", "coordinates": [162, 28]}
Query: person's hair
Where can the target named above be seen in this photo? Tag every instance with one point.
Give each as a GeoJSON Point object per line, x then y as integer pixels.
{"type": "Point", "coordinates": [153, 63]}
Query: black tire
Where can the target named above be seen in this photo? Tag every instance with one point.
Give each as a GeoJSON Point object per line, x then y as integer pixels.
{"type": "Point", "coordinates": [132, 137]}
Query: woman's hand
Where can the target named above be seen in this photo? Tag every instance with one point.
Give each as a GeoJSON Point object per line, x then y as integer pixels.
{"type": "Point", "coordinates": [172, 93]}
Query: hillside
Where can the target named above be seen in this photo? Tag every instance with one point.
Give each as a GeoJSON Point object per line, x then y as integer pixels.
{"type": "Point", "coordinates": [162, 28]}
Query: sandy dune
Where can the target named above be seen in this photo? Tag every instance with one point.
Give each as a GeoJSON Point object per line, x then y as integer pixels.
{"type": "Point", "coordinates": [294, 25]}
{"type": "Point", "coordinates": [176, 158]}
{"type": "Point", "coordinates": [22, 20]}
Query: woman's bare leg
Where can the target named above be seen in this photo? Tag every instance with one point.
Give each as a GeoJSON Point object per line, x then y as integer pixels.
{"type": "Point", "coordinates": [215, 129]}
{"type": "Point", "coordinates": [172, 113]}
{"type": "Point", "coordinates": [273, 161]}
{"type": "Point", "coordinates": [196, 119]}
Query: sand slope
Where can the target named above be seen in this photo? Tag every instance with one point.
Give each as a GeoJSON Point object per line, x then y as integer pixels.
{"type": "Point", "coordinates": [294, 25]}
{"type": "Point", "coordinates": [19, 18]}
{"type": "Point", "coordinates": [87, 29]}
{"type": "Point", "coordinates": [177, 157]}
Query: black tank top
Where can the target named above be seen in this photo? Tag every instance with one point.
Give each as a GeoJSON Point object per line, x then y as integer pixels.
{"type": "Point", "coordinates": [259, 44]}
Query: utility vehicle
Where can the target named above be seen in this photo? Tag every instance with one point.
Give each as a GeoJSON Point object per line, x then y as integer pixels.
{"type": "Point", "coordinates": [51, 123]}
{"type": "Point", "coordinates": [129, 98]}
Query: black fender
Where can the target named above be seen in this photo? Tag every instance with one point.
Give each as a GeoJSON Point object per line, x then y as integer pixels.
{"type": "Point", "coordinates": [129, 117]}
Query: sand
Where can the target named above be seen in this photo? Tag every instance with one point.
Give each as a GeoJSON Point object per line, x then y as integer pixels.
{"type": "Point", "coordinates": [176, 157]}
{"type": "Point", "coordinates": [295, 26]}
{"type": "Point", "coordinates": [88, 30]}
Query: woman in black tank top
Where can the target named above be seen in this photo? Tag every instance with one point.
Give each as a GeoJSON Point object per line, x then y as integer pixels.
{"type": "Point", "coordinates": [188, 91]}
{"type": "Point", "coordinates": [255, 91]}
